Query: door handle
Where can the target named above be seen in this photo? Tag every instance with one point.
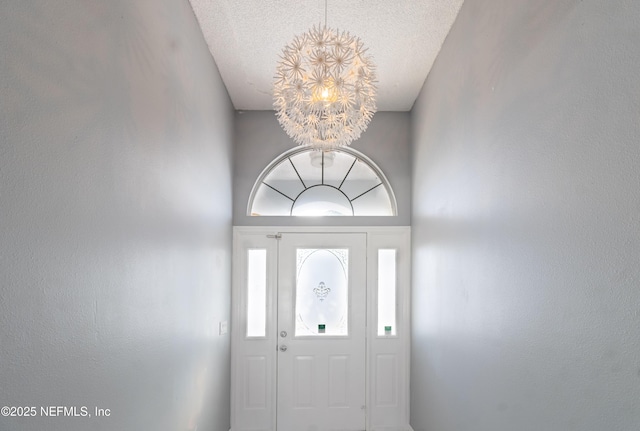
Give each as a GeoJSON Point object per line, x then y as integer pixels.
{"type": "Point", "coordinates": [283, 348]}
{"type": "Point", "coordinates": [283, 334]}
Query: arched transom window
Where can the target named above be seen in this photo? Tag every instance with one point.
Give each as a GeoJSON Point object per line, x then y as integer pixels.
{"type": "Point", "coordinates": [305, 182]}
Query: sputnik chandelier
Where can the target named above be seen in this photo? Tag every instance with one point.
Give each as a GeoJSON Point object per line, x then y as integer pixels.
{"type": "Point", "coordinates": [324, 92]}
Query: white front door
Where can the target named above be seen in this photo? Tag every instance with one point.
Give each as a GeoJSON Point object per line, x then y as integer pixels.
{"type": "Point", "coordinates": [290, 283]}
{"type": "Point", "coordinates": [321, 329]}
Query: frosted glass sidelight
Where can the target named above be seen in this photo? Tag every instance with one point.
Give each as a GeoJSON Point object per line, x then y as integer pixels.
{"type": "Point", "coordinates": [386, 292]}
{"type": "Point", "coordinates": [322, 292]}
{"type": "Point", "coordinates": [256, 293]}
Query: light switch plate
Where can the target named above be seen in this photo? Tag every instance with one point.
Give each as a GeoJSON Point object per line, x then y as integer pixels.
{"type": "Point", "coordinates": [224, 327]}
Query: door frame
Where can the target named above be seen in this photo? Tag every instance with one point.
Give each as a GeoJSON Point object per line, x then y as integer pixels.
{"type": "Point", "coordinates": [387, 357]}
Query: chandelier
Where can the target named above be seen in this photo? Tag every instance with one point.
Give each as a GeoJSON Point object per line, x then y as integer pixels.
{"type": "Point", "coordinates": [324, 92]}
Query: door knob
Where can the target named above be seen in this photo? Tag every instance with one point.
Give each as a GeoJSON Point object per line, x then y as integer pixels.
{"type": "Point", "coordinates": [283, 334]}
{"type": "Point", "coordinates": [283, 348]}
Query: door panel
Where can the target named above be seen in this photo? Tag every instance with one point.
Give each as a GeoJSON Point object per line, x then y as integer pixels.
{"type": "Point", "coordinates": [321, 327]}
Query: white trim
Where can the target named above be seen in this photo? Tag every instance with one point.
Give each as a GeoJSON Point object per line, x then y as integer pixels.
{"type": "Point", "coordinates": [273, 230]}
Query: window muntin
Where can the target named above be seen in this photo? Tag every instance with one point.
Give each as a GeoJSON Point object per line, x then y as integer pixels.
{"type": "Point", "coordinates": [305, 182]}
{"type": "Point", "coordinates": [322, 200]}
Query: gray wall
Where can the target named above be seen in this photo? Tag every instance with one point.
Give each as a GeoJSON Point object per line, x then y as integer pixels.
{"type": "Point", "coordinates": [526, 199]}
{"type": "Point", "coordinates": [115, 209]}
{"type": "Point", "coordinates": [259, 139]}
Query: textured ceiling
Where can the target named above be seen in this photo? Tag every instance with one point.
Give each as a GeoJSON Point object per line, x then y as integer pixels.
{"type": "Point", "coordinates": [246, 37]}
